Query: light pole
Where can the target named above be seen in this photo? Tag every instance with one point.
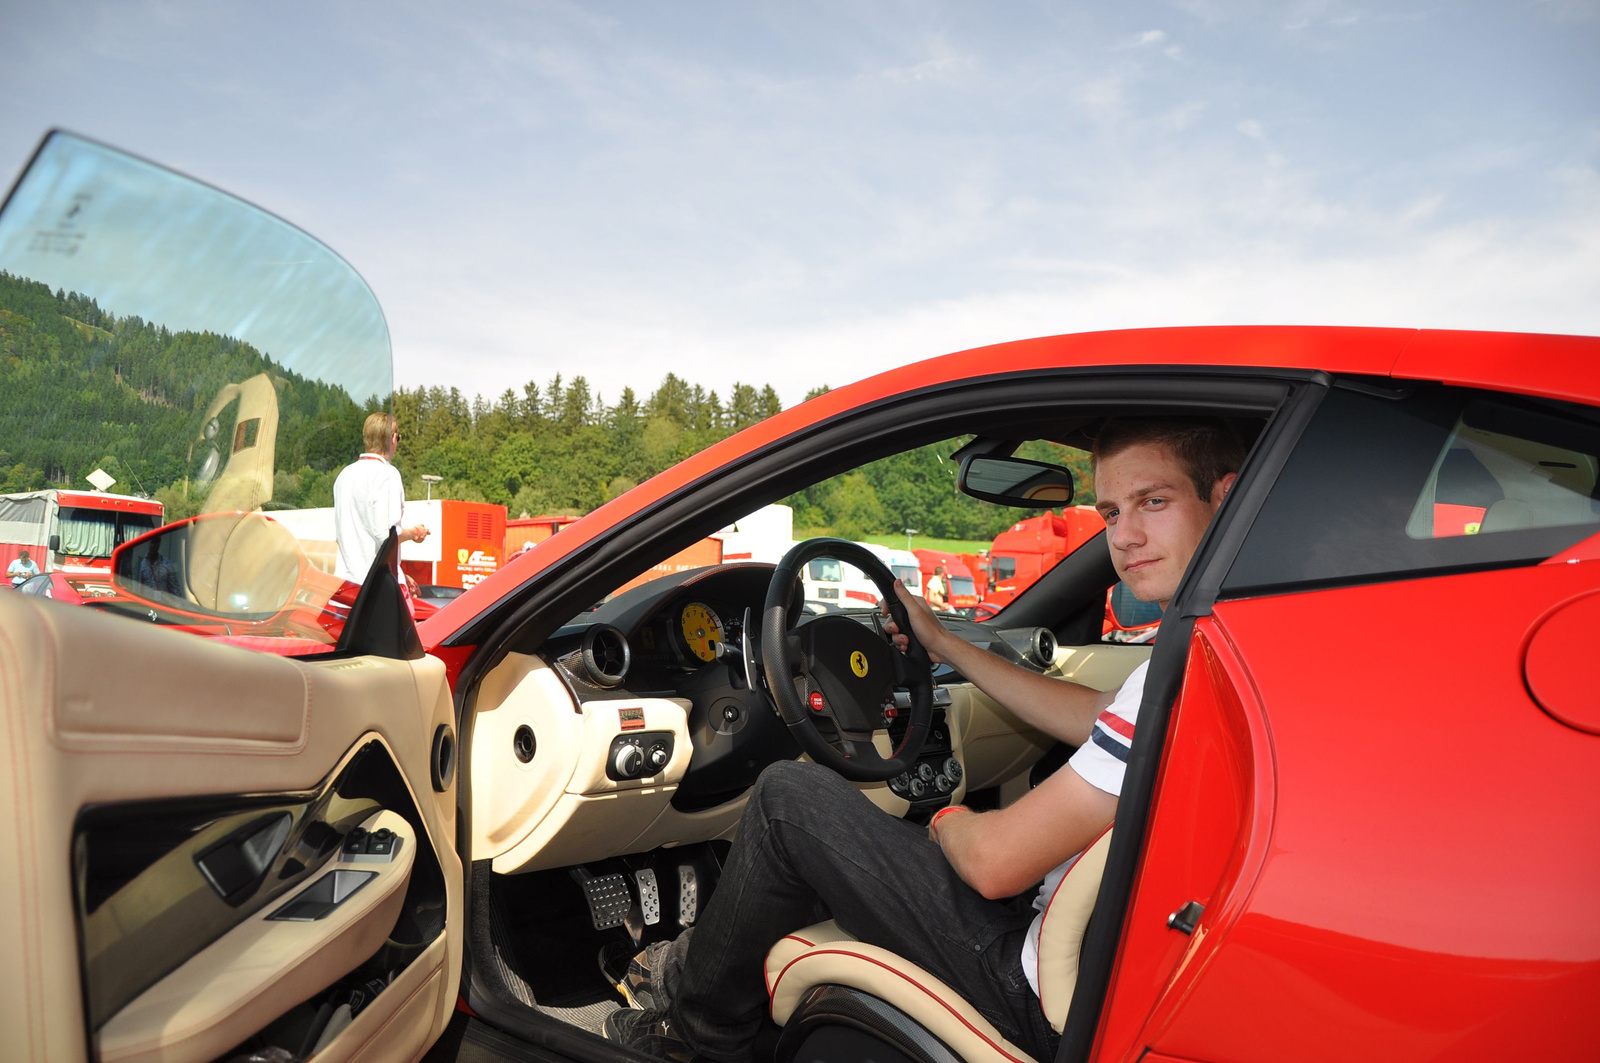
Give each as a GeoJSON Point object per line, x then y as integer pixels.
{"type": "Point", "coordinates": [909, 533]}
{"type": "Point", "coordinates": [430, 480]}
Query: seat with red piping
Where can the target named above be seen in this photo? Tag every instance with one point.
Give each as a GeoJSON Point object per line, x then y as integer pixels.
{"type": "Point", "coordinates": [826, 955]}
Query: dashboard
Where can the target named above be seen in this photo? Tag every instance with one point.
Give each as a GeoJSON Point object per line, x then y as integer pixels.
{"type": "Point", "coordinates": [642, 723]}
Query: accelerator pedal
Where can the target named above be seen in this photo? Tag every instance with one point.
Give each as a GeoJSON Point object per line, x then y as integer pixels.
{"type": "Point", "coordinates": [688, 895]}
{"type": "Point", "coordinates": [608, 897]}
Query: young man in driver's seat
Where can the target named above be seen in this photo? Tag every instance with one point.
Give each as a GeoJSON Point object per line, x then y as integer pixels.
{"type": "Point", "coordinates": [810, 846]}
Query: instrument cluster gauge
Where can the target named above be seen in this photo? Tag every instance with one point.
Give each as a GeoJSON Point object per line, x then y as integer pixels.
{"type": "Point", "coordinates": [702, 630]}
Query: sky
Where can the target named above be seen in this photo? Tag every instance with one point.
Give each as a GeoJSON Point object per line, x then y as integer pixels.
{"type": "Point", "coordinates": [807, 193]}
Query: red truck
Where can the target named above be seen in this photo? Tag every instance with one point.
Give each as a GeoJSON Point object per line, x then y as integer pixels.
{"type": "Point", "coordinates": [1030, 548]}
{"type": "Point", "coordinates": [72, 530]}
{"type": "Point", "coordinates": [960, 590]}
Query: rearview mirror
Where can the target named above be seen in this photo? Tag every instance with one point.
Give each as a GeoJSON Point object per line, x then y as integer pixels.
{"type": "Point", "coordinates": [1015, 481]}
{"type": "Point", "coordinates": [241, 566]}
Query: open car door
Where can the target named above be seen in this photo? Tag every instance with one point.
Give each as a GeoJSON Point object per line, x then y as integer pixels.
{"type": "Point", "coordinates": [230, 826]}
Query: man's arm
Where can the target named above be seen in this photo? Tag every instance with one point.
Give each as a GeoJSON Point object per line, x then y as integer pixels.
{"type": "Point", "coordinates": [1002, 853]}
{"type": "Point", "coordinates": [1059, 708]}
{"type": "Point", "coordinates": [397, 501]}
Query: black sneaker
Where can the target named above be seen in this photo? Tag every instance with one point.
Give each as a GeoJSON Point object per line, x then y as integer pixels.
{"type": "Point", "coordinates": [649, 1032]}
{"type": "Point", "coordinates": [632, 975]}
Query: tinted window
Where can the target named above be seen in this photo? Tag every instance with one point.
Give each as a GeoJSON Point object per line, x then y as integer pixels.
{"type": "Point", "coordinates": [826, 569]}
{"type": "Point", "coordinates": [1442, 479]}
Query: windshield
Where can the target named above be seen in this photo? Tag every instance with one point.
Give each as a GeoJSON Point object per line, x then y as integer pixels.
{"type": "Point", "coordinates": [910, 575]}
{"type": "Point", "coordinates": [963, 585]}
{"type": "Point", "coordinates": [192, 355]}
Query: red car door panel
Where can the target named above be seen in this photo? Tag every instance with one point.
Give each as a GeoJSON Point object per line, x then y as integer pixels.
{"type": "Point", "coordinates": [1208, 838]}
{"type": "Point", "coordinates": [1428, 887]}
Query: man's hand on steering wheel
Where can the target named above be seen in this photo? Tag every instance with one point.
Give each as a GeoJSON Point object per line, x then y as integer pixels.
{"type": "Point", "coordinates": [925, 624]}
{"type": "Point", "coordinates": [833, 679]}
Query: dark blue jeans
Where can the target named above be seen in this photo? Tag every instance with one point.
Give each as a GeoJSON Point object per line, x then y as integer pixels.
{"type": "Point", "coordinates": [811, 847]}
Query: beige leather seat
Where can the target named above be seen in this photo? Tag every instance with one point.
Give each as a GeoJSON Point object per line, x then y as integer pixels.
{"type": "Point", "coordinates": [807, 962]}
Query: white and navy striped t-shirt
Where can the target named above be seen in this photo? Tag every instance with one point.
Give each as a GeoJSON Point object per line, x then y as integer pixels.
{"type": "Point", "coordinates": [1102, 761]}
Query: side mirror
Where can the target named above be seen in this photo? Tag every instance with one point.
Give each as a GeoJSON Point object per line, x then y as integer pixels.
{"type": "Point", "coordinates": [55, 543]}
{"type": "Point", "coordinates": [240, 566]}
{"type": "Point", "coordinates": [1015, 481]}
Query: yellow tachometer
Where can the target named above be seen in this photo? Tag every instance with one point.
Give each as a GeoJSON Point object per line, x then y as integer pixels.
{"type": "Point", "coordinates": [701, 630]}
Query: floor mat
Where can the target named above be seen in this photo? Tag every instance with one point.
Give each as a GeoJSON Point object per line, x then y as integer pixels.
{"type": "Point", "coordinates": [545, 944]}
{"type": "Point", "coordinates": [588, 1017]}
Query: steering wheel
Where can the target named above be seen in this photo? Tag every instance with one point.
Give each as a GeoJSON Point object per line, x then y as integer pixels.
{"type": "Point", "coordinates": [835, 668]}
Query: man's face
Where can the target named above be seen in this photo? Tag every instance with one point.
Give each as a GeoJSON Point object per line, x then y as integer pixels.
{"type": "Point", "coordinates": [1154, 519]}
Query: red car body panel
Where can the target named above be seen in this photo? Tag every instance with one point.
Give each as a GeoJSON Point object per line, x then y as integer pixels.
{"type": "Point", "coordinates": [1393, 881]}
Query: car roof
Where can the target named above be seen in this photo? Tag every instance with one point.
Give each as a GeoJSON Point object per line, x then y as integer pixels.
{"type": "Point", "coordinates": [1550, 366]}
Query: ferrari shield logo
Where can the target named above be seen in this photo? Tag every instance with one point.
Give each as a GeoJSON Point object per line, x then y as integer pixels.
{"type": "Point", "coordinates": [461, 557]}
{"type": "Point", "coordinates": [858, 664]}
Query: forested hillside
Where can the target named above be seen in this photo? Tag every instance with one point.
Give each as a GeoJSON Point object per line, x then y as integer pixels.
{"type": "Point", "coordinates": [81, 388]}
{"type": "Point", "coordinates": [562, 449]}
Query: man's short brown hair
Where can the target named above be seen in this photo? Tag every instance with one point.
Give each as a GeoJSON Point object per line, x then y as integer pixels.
{"type": "Point", "coordinates": [1208, 448]}
{"type": "Point", "coordinates": [378, 433]}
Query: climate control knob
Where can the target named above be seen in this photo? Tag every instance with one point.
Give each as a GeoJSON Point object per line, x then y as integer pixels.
{"type": "Point", "coordinates": [918, 787]}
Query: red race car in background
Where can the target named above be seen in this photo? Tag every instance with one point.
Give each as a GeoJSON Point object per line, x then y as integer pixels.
{"type": "Point", "coordinates": [1339, 838]}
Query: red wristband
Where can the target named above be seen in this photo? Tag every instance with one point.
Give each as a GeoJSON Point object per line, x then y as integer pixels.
{"type": "Point", "coordinates": [945, 811]}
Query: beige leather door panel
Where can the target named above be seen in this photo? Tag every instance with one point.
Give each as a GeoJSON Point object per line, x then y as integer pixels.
{"type": "Point", "coordinates": [257, 768]}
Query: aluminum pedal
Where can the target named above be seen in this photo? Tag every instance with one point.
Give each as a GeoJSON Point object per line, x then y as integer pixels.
{"type": "Point", "coordinates": [688, 895]}
{"type": "Point", "coordinates": [649, 896]}
{"type": "Point", "coordinates": [608, 897]}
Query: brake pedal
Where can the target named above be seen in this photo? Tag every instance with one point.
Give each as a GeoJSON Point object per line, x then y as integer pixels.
{"type": "Point", "coordinates": [688, 895]}
{"type": "Point", "coordinates": [649, 896]}
{"type": "Point", "coordinates": [607, 895]}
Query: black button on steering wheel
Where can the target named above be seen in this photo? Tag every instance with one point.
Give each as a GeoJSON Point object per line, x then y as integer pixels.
{"type": "Point", "coordinates": [853, 668]}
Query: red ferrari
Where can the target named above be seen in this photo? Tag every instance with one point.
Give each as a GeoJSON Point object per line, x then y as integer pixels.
{"type": "Point", "coordinates": [1358, 820]}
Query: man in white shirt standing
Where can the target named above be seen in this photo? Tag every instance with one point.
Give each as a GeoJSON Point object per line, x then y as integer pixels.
{"type": "Point", "coordinates": [368, 499]}
{"type": "Point", "coordinates": [809, 841]}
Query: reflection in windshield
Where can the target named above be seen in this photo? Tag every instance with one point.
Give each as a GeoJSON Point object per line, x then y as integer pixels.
{"type": "Point", "coordinates": [180, 352]}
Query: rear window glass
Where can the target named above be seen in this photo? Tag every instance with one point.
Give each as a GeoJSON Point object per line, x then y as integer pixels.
{"type": "Point", "coordinates": [1442, 479]}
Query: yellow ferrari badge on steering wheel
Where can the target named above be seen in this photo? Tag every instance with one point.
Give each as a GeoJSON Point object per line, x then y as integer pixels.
{"type": "Point", "coordinates": [858, 664]}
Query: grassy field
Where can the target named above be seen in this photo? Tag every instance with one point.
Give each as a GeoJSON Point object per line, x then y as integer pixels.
{"type": "Point", "coordinates": [918, 542]}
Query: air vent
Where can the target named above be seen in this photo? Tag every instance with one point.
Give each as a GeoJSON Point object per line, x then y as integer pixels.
{"type": "Point", "coordinates": [605, 655]}
{"type": "Point", "coordinates": [1044, 647]}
